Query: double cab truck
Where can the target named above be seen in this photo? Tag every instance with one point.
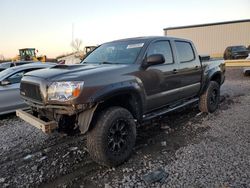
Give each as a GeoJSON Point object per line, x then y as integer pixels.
{"type": "Point", "coordinates": [118, 86]}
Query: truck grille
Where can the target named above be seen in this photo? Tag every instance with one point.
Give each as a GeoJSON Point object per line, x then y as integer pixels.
{"type": "Point", "coordinates": [30, 90]}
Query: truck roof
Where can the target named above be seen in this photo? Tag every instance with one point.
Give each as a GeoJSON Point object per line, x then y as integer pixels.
{"type": "Point", "coordinates": [148, 38]}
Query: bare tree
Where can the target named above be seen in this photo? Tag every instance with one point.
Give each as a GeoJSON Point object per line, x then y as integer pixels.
{"type": "Point", "coordinates": [76, 44]}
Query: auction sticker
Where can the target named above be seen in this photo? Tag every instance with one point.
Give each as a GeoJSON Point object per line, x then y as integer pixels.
{"type": "Point", "coordinates": [139, 45]}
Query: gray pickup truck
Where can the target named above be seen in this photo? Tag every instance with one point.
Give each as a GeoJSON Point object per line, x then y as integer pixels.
{"type": "Point", "coordinates": [116, 87]}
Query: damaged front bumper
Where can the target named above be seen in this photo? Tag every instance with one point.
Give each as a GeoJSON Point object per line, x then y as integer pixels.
{"type": "Point", "coordinates": [70, 109]}
{"type": "Point", "coordinates": [59, 117]}
{"type": "Point", "coordinates": [46, 127]}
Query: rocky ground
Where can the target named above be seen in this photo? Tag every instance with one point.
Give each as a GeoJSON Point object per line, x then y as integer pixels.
{"type": "Point", "coordinates": [185, 149]}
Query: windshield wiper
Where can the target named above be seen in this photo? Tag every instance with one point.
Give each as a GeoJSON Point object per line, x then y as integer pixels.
{"type": "Point", "coordinates": [84, 62]}
{"type": "Point", "coordinates": [107, 62]}
{"type": "Point", "coordinates": [100, 63]}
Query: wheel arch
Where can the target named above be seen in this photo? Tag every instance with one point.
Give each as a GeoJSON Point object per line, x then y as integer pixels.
{"type": "Point", "coordinates": [217, 77]}
{"type": "Point", "coordinates": [212, 76]}
{"type": "Point", "coordinates": [129, 99]}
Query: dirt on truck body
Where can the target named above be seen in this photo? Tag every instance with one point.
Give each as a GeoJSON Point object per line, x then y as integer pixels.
{"type": "Point", "coordinates": [117, 87]}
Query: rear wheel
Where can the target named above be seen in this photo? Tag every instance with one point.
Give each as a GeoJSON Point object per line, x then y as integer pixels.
{"type": "Point", "coordinates": [210, 99]}
{"type": "Point", "coordinates": [110, 142]}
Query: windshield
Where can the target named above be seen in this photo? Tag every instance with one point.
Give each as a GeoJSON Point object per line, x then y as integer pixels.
{"type": "Point", "coordinates": [5, 72]}
{"type": "Point", "coordinates": [115, 53]}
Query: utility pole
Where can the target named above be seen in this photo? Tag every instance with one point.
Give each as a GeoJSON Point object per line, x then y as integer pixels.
{"type": "Point", "coordinates": [72, 32]}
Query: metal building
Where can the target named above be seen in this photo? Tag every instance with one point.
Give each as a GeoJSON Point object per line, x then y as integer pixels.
{"type": "Point", "coordinates": [213, 38]}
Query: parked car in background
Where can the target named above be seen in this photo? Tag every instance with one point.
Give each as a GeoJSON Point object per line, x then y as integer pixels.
{"type": "Point", "coordinates": [248, 52]}
{"type": "Point", "coordinates": [6, 65]}
{"type": "Point", "coordinates": [236, 52]}
{"type": "Point", "coordinates": [246, 71]}
{"type": "Point", "coordinates": [248, 58]}
{"type": "Point", "coordinates": [10, 79]}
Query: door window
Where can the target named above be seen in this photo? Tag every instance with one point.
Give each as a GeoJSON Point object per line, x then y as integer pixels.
{"type": "Point", "coordinates": [161, 47]}
{"type": "Point", "coordinates": [16, 78]}
{"type": "Point", "coordinates": [185, 51]}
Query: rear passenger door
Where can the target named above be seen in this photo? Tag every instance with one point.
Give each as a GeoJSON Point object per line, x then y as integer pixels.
{"type": "Point", "coordinates": [190, 69]}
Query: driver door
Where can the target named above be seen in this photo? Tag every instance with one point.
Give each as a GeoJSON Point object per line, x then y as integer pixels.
{"type": "Point", "coordinates": [160, 81]}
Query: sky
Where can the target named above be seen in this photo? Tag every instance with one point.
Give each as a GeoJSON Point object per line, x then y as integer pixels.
{"type": "Point", "coordinates": [47, 24]}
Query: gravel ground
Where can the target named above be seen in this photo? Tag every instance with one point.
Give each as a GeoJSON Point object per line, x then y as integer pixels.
{"type": "Point", "coordinates": [186, 149]}
{"type": "Point", "coordinates": [222, 158]}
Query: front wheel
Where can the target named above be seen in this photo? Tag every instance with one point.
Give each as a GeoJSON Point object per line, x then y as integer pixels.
{"type": "Point", "coordinates": [209, 100]}
{"type": "Point", "coordinates": [110, 142]}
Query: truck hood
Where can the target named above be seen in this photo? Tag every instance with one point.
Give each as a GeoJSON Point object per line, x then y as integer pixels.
{"type": "Point", "coordinates": [73, 72]}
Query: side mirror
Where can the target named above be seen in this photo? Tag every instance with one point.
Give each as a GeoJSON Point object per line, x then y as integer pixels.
{"type": "Point", "coordinates": [5, 82]}
{"type": "Point", "coordinates": [155, 59]}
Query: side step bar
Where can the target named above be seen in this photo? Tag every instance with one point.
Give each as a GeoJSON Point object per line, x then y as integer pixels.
{"type": "Point", "coordinates": [46, 127]}
{"type": "Point", "coordinates": [167, 110]}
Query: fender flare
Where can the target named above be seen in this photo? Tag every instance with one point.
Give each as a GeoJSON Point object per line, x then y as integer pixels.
{"type": "Point", "coordinates": [114, 90]}
{"type": "Point", "coordinates": [209, 77]}
{"type": "Point", "coordinates": [85, 118]}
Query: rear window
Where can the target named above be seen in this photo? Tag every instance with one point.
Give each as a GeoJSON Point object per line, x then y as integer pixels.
{"type": "Point", "coordinates": [185, 51]}
{"type": "Point", "coordinates": [4, 65]}
{"type": "Point", "coordinates": [239, 48]}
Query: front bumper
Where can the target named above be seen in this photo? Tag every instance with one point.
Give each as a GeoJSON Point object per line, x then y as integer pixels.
{"type": "Point", "coordinates": [240, 56]}
{"type": "Point", "coordinates": [46, 127]}
{"type": "Point", "coordinates": [58, 109]}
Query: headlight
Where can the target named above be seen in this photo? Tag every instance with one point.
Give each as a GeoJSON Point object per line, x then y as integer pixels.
{"type": "Point", "coordinates": [63, 91]}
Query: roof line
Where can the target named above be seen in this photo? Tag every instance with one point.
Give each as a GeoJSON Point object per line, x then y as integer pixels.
{"type": "Point", "coordinates": [208, 24]}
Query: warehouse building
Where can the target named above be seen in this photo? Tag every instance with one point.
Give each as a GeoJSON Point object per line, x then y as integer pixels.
{"type": "Point", "coordinates": [213, 38]}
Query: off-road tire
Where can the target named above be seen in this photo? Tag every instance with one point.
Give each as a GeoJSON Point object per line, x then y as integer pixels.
{"type": "Point", "coordinates": [205, 104]}
{"type": "Point", "coordinates": [101, 139]}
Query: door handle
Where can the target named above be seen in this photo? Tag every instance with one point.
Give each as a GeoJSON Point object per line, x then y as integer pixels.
{"type": "Point", "coordinates": [175, 71]}
{"type": "Point", "coordinates": [196, 67]}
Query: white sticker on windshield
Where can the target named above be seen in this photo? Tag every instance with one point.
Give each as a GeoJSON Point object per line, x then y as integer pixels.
{"type": "Point", "coordinates": [139, 45]}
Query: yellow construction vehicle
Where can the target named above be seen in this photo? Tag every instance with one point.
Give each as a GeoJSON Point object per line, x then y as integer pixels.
{"type": "Point", "coordinates": [28, 54]}
{"type": "Point", "coordinates": [86, 51]}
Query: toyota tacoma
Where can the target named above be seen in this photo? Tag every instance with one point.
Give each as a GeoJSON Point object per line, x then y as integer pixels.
{"type": "Point", "coordinates": [120, 85]}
